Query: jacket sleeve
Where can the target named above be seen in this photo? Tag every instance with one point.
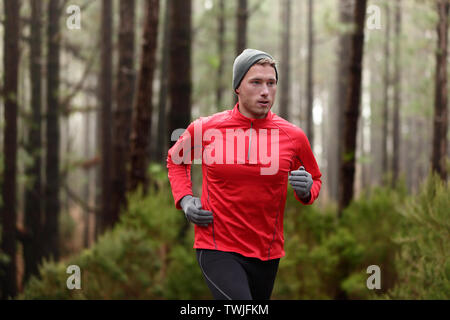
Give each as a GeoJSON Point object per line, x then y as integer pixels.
{"type": "Point", "coordinates": [179, 159]}
{"type": "Point", "coordinates": [305, 158]}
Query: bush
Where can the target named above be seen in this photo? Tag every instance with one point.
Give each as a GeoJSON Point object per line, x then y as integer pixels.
{"type": "Point", "coordinates": [373, 220]}
{"type": "Point", "coordinates": [141, 258]}
{"type": "Point", "coordinates": [423, 264]}
{"type": "Point", "coordinates": [122, 265]}
{"type": "Point", "coordinates": [147, 256]}
{"type": "Point", "coordinates": [327, 257]}
{"type": "Point", "coordinates": [305, 229]}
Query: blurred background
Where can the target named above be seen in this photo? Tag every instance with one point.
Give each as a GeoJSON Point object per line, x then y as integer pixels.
{"type": "Point", "coordinates": [92, 90]}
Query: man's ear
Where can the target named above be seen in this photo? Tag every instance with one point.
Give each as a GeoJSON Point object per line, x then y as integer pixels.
{"type": "Point", "coordinates": [236, 91]}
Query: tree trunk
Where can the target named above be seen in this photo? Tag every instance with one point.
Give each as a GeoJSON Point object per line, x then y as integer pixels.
{"type": "Point", "coordinates": [241, 26]}
{"type": "Point", "coordinates": [124, 107]}
{"type": "Point", "coordinates": [8, 217]}
{"type": "Point", "coordinates": [180, 83]}
{"type": "Point", "coordinates": [439, 153]}
{"type": "Point", "coordinates": [386, 83]}
{"type": "Point", "coordinates": [396, 126]}
{"type": "Point", "coordinates": [142, 113]}
{"type": "Point", "coordinates": [33, 192]}
{"type": "Point", "coordinates": [241, 31]}
{"type": "Point", "coordinates": [309, 76]}
{"type": "Point", "coordinates": [221, 53]}
{"type": "Point", "coordinates": [375, 170]}
{"type": "Point", "coordinates": [87, 186]}
{"type": "Point", "coordinates": [345, 18]}
{"type": "Point", "coordinates": [298, 26]}
{"type": "Point", "coordinates": [407, 151]}
{"type": "Point", "coordinates": [352, 107]}
{"type": "Point", "coordinates": [161, 147]}
{"type": "Point", "coordinates": [52, 186]}
{"type": "Point", "coordinates": [285, 59]}
{"type": "Point", "coordinates": [419, 133]}
{"type": "Point", "coordinates": [107, 218]}
{"type": "Point", "coordinates": [360, 150]}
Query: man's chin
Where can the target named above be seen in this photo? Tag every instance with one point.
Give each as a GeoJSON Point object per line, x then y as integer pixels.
{"type": "Point", "coordinates": [261, 112]}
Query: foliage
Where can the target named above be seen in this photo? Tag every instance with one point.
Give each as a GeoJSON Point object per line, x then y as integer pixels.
{"type": "Point", "coordinates": [143, 257]}
{"type": "Point", "coordinates": [109, 270]}
{"type": "Point", "coordinates": [326, 255]}
{"type": "Point", "coordinates": [424, 261]}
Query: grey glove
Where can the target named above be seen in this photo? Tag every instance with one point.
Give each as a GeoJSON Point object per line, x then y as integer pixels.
{"type": "Point", "coordinates": [192, 210]}
{"type": "Point", "coordinates": [301, 181]}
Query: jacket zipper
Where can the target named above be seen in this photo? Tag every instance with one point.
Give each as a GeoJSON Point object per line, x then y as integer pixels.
{"type": "Point", "coordinates": [250, 141]}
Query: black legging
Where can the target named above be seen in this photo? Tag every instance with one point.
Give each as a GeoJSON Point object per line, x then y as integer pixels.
{"type": "Point", "coordinates": [232, 276]}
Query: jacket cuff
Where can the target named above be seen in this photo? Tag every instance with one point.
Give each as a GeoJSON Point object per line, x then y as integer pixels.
{"type": "Point", "coordinates": [178, 200]}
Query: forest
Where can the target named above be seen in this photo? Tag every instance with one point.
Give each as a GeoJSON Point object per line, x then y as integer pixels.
{"type": "Point", "coordinates": [93, 93]}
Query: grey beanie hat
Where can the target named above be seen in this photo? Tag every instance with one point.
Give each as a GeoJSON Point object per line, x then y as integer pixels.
{"type": "Point", "coordinates": [244, 62]}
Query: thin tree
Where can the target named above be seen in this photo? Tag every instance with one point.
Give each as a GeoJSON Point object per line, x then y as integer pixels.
{"type": "Point", "coordinates": [439, 153]}
{"type": "Point", "coordinates": [241, 26]}
{"type": "Point", "coordinates": [107, 219]}
{"type": "Point", "coordinates": [124, 107]}
{"type": "Point", "coordinates": [375, 168]}
{"type": "Point", "coordinates": [352, 107]}
{"type": "Point", "coordinates": [309, 75]}
{"type": "Point", "coordinates": [220, 53]}
{"type": "Point", "coordinates": [386, 83]}
{"type": "Point", "coordinates": [161, 146]}
{"type": "Point", "coordinates": [52, 185]}
{"type": "Point", "coordinates": [345, 19]}
{"type": "Point", "coordinates": [87, 185]}
{"type": "Point", "coordinates": [180, 82]}
{"type": "Point", "coordinates": [396, 125]}
{"type": "Point", "coordinates": [285, 59]}
{"type": "Point", "coordinates": [10, 93]}
{"type": "Point", "coordinates": [33, 193]}
{"type": "Point", "coordinates": [241, 30]}
{"type": "Point", "coordinates": [142, 110]}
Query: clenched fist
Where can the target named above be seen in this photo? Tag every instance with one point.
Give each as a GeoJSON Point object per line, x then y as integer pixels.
{"type": "Point", "coordinates": [192, 208]}
{"type": "Point", "coordinates": [301, 181]}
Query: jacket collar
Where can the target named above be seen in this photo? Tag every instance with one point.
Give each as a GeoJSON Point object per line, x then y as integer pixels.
{"type": "Point", "coordinates": [239, 116]}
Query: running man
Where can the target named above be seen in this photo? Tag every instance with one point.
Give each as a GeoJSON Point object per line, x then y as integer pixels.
{"type": "Point", "coordinates": [248, 154]}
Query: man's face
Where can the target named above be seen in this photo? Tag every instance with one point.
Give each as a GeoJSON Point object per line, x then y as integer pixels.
{"type": "Point", "coordinates": [257, 91]}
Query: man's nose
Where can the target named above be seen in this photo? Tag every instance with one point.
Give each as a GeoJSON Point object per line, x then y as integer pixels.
{"type": "Point", "coordinates": [265, 90]}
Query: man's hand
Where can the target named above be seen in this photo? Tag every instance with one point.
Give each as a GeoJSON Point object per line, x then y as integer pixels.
{"type": "Point", "coordinates": [301, 181]}
{"type": "Point", "coordinates": [192, 210]}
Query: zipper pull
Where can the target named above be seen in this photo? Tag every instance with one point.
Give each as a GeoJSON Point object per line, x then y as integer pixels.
{"type": "Point", "coordinates": [250, 141]}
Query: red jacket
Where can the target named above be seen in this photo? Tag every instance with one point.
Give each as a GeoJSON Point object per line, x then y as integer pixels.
{"type": "Point", "coordinates": [245, 191]}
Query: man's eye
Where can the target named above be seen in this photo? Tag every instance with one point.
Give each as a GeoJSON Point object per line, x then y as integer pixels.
{"type": "Point", "coordinates": [255, 82]}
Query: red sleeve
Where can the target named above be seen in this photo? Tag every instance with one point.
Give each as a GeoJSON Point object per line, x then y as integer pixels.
{"type": "Point", "coordinates": [179, 159]}
{"type": "Point", "coordinates": [305, 158]}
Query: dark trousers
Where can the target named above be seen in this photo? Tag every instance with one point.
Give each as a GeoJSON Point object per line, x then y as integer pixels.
{"type": "Point", "coordinates": [232, 276]}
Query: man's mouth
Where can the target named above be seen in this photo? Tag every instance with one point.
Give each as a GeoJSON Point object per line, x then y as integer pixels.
{"type": "Point", "coordinates": [264, 103]}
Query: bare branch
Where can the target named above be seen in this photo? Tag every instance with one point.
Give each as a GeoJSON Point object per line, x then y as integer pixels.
{"type": "Point", "coordinates": [67, 100]}
{"type": "Point", "coordinates": [85, 206]}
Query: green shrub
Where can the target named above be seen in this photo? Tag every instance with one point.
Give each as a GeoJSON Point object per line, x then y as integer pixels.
{"type": "Point", "coordinates": [146, 256]}
{"type": "Point", "coordinates": [122, 265]}
{"type": "Point", "coordinates": [141, 258]}
{"type": "Point", "coordinates": [372, 221]}
{"type": "Point", "coordinates": [184, 278]}
{"type": "Point", "coordinates": [423, 264]}
{"type": "Point", "coordinates": [306, 228]}
{"type": "Point", "coordinates": [326, 255]}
